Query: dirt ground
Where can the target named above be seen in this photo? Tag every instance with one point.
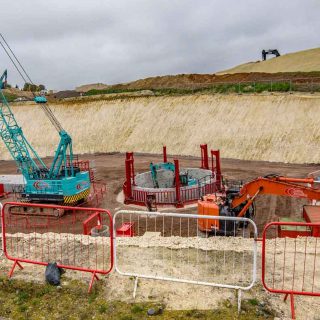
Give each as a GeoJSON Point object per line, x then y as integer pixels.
{"type": "Point", "coordinates": [214, 260]}
{"type": "Point", "coordinates": [197, 80]}
{"type": "Point", "coordinates": [109, 168]}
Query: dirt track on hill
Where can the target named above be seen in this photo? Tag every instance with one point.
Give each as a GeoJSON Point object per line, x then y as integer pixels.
{"type": "Point", "coordinates": [184, 81]}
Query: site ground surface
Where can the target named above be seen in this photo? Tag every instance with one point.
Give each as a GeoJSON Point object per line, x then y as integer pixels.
{"type": "Point", "coordinates": [110, 169]}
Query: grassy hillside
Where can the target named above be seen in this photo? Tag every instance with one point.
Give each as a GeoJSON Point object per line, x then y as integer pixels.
{"type": "Point", "coordinates": [301, 61]}
{"type": "Point", "coordinates": [196, 81]}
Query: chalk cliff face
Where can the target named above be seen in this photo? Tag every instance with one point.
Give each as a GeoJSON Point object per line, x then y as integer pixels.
{"type": "Point", "coordinates": [261, 127]}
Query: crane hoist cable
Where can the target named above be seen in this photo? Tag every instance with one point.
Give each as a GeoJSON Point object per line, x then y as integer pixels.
{"type": "Point", "coordinates": [24, 75]}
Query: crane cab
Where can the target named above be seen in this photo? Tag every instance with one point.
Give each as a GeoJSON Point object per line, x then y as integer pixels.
{"type": "Point", "coordinates": [67, 190]}
{"type": "Point", "coordinates": [40, 99]}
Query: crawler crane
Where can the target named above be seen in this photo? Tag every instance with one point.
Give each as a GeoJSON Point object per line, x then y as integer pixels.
{"type": "Point", "coordinates": [59, 183]}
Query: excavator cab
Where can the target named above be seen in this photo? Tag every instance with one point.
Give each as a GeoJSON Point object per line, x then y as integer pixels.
{"type": "Point", "coordinates": [215, 205]}
{"type": "Point", "coordinates": [40, 99]}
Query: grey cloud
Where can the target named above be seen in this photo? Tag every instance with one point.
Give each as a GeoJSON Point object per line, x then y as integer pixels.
{"type": "Point", "coordinates": [67, 43]}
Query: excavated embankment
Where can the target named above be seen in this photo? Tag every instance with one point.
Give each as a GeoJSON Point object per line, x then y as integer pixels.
{"type": "Point", "coordinates": [281, 128]}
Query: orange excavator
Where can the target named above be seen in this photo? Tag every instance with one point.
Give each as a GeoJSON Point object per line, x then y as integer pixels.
{"type": "Point", "coordinates": [239, 202]}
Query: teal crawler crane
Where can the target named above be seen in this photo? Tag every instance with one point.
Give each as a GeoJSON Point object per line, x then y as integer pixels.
{"type": "Point", "coordinates": [61, 182]}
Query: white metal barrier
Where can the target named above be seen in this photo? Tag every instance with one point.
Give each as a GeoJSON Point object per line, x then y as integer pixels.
{"type": "Point", "coordinates": [168, 246]}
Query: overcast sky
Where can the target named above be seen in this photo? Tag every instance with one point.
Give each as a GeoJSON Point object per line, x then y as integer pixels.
{"type": "Point", "coordinates": [66, 43]}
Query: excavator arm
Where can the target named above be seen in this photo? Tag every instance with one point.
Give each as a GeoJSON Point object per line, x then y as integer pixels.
{"type": "Point", "coordinates": [240, 204]}
{"type": "Point", "coordinates": [279, 186]}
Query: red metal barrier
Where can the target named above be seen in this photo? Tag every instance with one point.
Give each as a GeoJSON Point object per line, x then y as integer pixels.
{"type": "Point", "coordinates": [179, 204]}
{"type": "Point", "coordinates": [83, 165]}
{"type": "Point", "coordinates": [164, 151]}
{"type": "Point", "coordinates": [204, 156]}
{"type": "Point", "coordinates": [38, 238]}
{"type": "Point", "coordinates": [98, 191]}
{"type": "Point", "coordinates": [92, 221]}
{"type": "Point", "coordinates": [178, 195]}
{"type": "Point", "coordinates": [187, 195]}
{"type": "Point", "coordinates": [216, 166]}
{"type": "Point", "coordinates": [162, 197]}
{"type": "Point", "coordinates": [290, 266]}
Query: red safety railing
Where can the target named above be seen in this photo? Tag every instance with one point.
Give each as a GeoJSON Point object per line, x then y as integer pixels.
{"type": "Point", "coordinates": [93, 221]}
{"type": "Point", "coordinates": [291, 259]}
{"type": "Point", "coordinates": [32, 234]}
{"type": "Point", "coordinates": [204, 156]}
{"type": "Point", "coordinates": [179, 195]}
{"type": "Point", "coordinates": [83, 165]}
{"type": "Point", "coordinates": [162, 197]}
{"type": "Point", "coordinates": [168, 197]}
{"type": "Point", "coordinates": [99, 190]}
{"type": "Point", "coordinates": [195, 193]}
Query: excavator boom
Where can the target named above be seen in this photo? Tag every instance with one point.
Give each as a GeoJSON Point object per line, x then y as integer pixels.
{"type": "Point", "coordinates": [279, 186]}
{"type": "Point", "coordinates": [240, 204]}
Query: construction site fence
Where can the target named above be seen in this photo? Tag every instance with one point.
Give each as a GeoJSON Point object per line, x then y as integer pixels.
{"type": "Point", "coordinates": [291, 263]}
{"type": "Point", "coordinates": [39, 234]}
{"type": "Point", "coordinates": [171, 248]}
{"type": "Point", "coordinates": [169, 197]}
{"type": "Point", "coordinates": [99, 190]}
{"type": "Point", "coordinates": [258, 86]}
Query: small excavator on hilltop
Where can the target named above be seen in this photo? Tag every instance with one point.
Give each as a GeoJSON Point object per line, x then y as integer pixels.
{"type": "Point", "coordinates": [239, 202]}
{"type": "Point", "coordinates": [270, 51]}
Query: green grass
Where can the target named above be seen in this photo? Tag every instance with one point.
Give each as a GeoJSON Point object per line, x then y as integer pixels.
{"type": "Point", "coordinates": [10, 97]}
{"type": "Point", "coordinates": [254, 87]}
{"type": "Point", "coordinates": [27, 300]}
{"type": "Point", "coordinates": [253, 302]}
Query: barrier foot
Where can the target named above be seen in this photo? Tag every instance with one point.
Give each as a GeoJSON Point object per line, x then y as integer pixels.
{"type": "Point", "coordinates": [13, 267]}
{"type": "Point", "coordinates": [291, 304]}
{"type": "Point", "coordinates": [135, 287]}
{"type": "Point", "coordinates": [94, 277]}
{"type": "Point", "coordinates": [239, 301]}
